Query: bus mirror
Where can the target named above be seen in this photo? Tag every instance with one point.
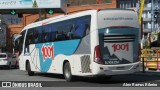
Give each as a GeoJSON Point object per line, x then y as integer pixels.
{"type": "Point", "coordinates": [16, 43]}
{"type": "Point", "coordinates": [16, 48]}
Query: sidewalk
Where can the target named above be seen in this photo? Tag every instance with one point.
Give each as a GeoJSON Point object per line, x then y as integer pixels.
{"type": "Point", "coordinates": [148, 73]}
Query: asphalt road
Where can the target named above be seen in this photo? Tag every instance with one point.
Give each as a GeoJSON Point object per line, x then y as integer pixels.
{"type": "Point", "coordinates": [57, 81]}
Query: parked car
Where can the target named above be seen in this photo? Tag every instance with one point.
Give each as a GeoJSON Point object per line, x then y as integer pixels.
{"type": "Point", "coordinates": [8, 60]}
{"type": "Point", "coordinates": [15, 57]}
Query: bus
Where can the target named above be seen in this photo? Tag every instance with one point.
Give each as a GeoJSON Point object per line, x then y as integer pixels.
{"type": "Point", "coordinates": [88, 43]}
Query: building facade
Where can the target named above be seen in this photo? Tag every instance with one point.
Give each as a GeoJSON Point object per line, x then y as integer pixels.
{"type": "Point", "coordinates": [6, 34]}
{"type": "Point", "coordinates": [11, 19]}
{"type": "Point", "coordinates": [3, 36]}
{"type": "Point", "coordinates": [87, 2]}
{"type": "Point", "coordinates": [149, 22]}
{"type": "Point", "coordinates": [127, 3]}
{"type": "Point", "coordinates": [73, 6]}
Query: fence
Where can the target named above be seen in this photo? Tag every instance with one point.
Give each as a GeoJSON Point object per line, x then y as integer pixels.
{"type": "Point", "coordinates": [151, 59]}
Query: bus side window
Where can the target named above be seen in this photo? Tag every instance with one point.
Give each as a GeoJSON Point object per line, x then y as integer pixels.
{"type": "Point", "coordinates": [87, 29]}
{"type": "Point", "coordinates": [58, 36]}
{"type": "Point", "coordinates": [70, 33]}
{"type": "Point", "coordinates": [35, 35]}
{"type": "Point", "coordinates": [29, 38]}
{"type": "Point", "coordinates": [44, 37]}
{"type": "Point", "coordinates": [17, 43]}
{"type": "Point", "coordinates": [53, 32]}
{"type": "Point", "coordinates": [79, 30]}
{"type": "Point", "coordinates": [53, 37]}
{"type": "Point", "coordinates": [48, 37]}
{"type": "Point", "coordinates": [21, 42]}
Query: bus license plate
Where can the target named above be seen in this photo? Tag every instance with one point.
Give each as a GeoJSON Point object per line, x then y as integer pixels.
{"type": "Point", "coordinates": [120, 68]}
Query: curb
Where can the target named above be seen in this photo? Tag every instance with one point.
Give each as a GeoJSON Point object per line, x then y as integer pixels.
{"type": "Point", "coordinates": [148, 73]}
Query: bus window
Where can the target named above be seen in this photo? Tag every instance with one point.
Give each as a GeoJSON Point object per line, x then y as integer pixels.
{"type": "Point", "coordinates": [87, 27]}
{"type": "Point", "coordinates": [21, 42]}
{"type": "Point", "coordinates": [17, 43]}
{"type": "Point", "coordinates": [79, 29]}
{"type": "Point", "coordinates": [29, 38]}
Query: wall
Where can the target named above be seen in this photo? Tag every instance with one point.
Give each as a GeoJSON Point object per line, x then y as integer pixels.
{"type": "Point", "coordinates": [30, 18]}
{"type": "Point", "coordinates": [11, 30]}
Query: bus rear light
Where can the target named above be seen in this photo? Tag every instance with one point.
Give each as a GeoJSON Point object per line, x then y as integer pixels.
{"type": "Point", "coordinates": [97, 55]}
{"type": "Point", "coordinates": [98, 10]}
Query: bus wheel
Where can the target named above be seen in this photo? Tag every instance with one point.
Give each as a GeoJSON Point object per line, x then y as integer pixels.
{"type": "Point", "coordinates": [67, 72]}
{"type": "Point", "coordinates": [30, 73]}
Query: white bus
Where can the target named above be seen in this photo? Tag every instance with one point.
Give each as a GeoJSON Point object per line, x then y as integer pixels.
{"type": "Point", "coordinates": [87, 43]}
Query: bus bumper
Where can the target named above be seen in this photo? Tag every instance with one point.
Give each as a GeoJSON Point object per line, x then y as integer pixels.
{"type": "Point", "coordinates": [116, 69]}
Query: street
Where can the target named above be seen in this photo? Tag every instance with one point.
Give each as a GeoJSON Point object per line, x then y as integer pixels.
{"type": "Point", "coordinates": [115, 81]}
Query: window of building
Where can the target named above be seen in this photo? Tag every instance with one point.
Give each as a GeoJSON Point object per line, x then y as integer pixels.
{"type": "Point", "coordinates": [122, 4]}
{"type": "Point", "coordinates": [148, 3]}
{"type": "Point", "coordinates": [145, 25]}
{"type": "Point", "coordinates": [128, 4]}
{"type": "Point", "coordinates": [149, 25]}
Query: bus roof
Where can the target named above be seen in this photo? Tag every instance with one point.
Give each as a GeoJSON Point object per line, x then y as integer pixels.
{"type": "Point", "coordinates": [51, 20]}
{"type": "Point", "coordinates": [117, 17]}
{"type": "Point", "coordinates": [57, 18]}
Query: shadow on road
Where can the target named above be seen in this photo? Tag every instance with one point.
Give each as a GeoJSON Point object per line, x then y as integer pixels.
{"type": "Point", "coordinates": [58, 80]}
{"type": "Point", "coordinates": [50, 75]}
{"type": "Point", "coordinates": [5, 68]}
{"type": "Point", "coordinates": [139, 77]}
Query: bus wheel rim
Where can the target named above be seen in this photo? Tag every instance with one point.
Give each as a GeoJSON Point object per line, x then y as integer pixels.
{"type": "Point", "coordinates": [67, 73]}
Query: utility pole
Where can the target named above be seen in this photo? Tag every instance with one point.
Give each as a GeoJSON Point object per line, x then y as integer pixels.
{"type": "Point", "coordinates": [152, 14]}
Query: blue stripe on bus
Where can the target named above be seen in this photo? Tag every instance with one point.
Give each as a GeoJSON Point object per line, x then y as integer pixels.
{"type": "Point", "coordinates": [61, 47]}
{"type": "Point", "coordinates": [66, 47]}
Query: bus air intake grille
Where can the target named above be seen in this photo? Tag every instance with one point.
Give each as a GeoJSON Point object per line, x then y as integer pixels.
{"type": "Point", "coordinates": [85, 62]}
{"type": "Point", "coordinates": [118, 38]}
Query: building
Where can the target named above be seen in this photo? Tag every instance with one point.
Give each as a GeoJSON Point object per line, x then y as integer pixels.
{"type": "Point", "coordinates": [127, 3]}
{"type": "Point", "coordinates": [6, 34]}
{"type": "Point", "coordinates": [73, 6]}
{"type": "Point", "coordinates": [87, 2]}
{"type": "Point", "coordinates": [149, 22]}
{"type": "Point", "coordinates": [3, 36]}
{"type": "Point", "coordinates": [11, 19]}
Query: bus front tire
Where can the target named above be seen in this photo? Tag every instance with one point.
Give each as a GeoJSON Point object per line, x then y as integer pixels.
{"type": "Point", "coordinates": [30, 73]}
{"type": "Point", "coordinates": [67, 72]}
